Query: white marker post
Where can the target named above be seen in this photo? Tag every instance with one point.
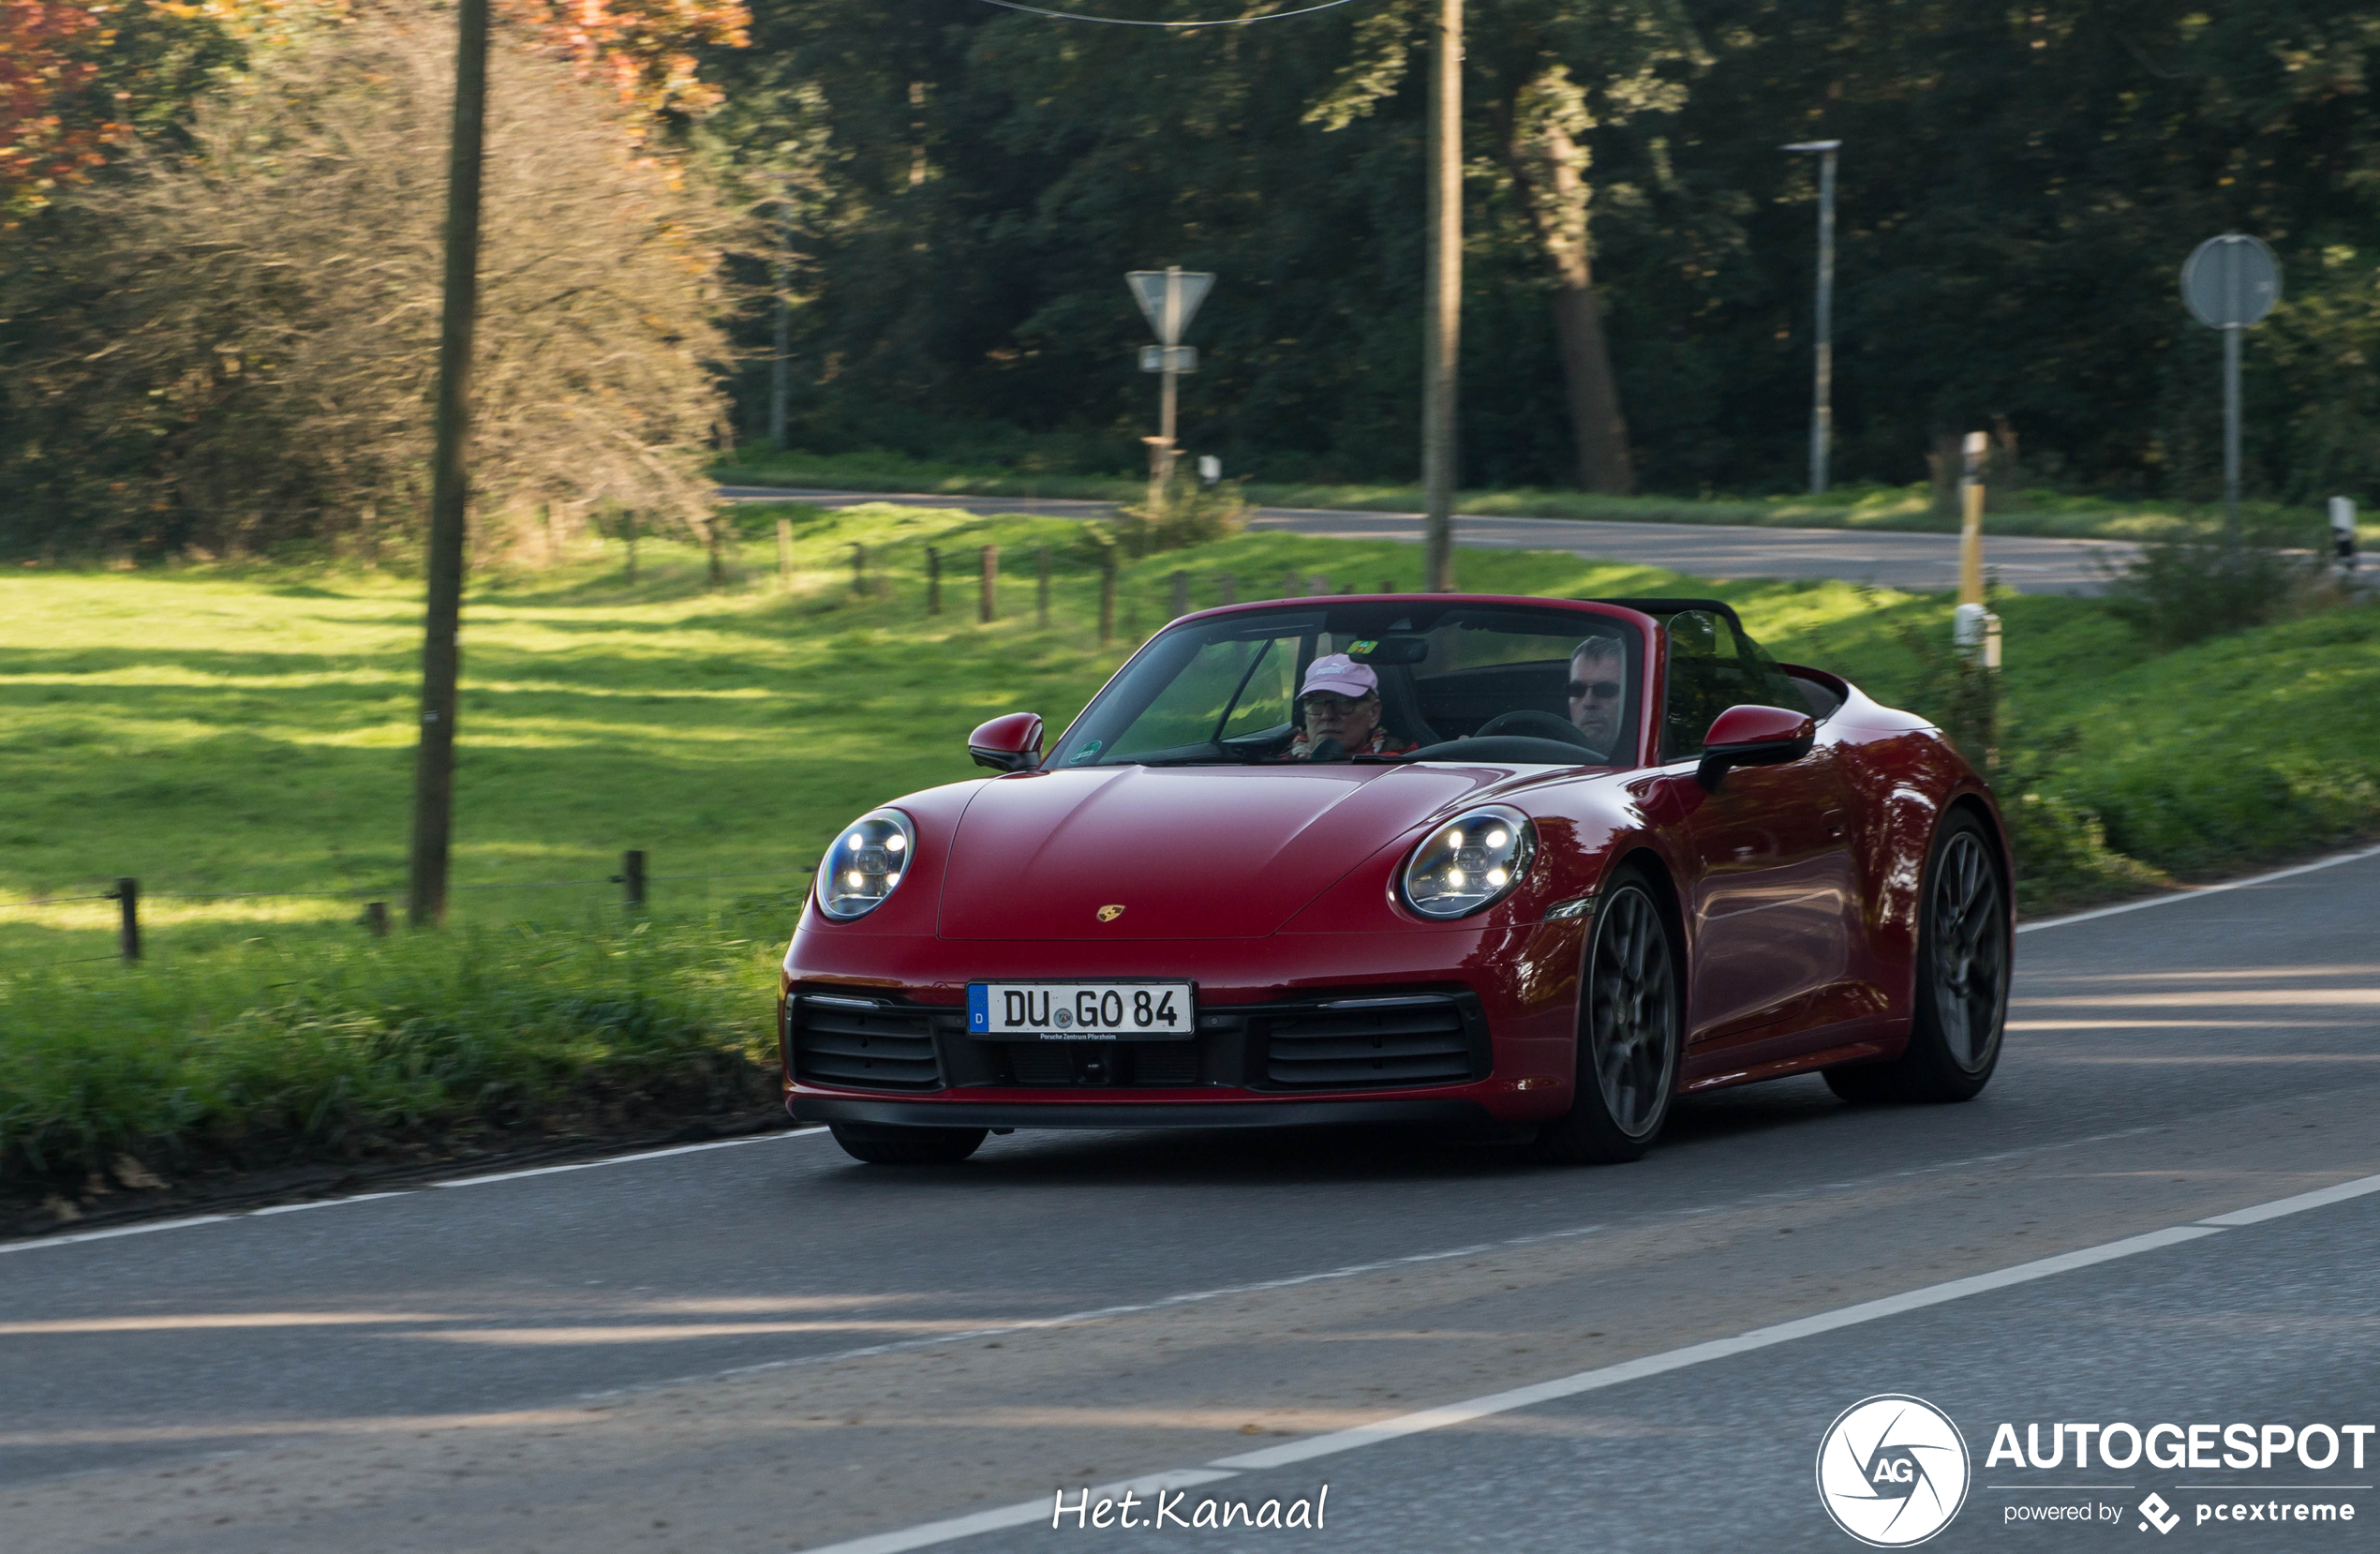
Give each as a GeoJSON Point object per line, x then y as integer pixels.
{"type": "Point", "coordinates": [2342, 534]}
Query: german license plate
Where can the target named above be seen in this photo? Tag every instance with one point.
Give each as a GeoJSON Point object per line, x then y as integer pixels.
{"type": "Point", "coordinates": [1082, 1011]}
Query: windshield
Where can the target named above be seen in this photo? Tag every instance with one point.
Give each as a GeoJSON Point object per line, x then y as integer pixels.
{"type": "Point", "coordinates": [1372, 681]}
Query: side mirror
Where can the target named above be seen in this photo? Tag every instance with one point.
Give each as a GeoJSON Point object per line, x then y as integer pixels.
{"type": "Point", "coordinates": [1753, 736]}
{"type": "Point", "coordinates": [1012, 743]}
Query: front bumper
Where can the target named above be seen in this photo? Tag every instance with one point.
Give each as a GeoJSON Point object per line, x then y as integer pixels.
{"type": "Point", "coordinates": [1446, 1027]}
{"type": "Point", "coordinates": [815, 1106]}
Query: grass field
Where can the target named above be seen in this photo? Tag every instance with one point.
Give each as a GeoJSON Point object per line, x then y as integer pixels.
{"type": "Point", "coordinates": [249, 731]}
{"type": "Point", "coordinates": [1881, 507]}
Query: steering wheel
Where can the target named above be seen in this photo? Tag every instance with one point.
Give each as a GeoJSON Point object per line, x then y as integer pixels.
{"type": "Point", "coordinates": [1537, 725]}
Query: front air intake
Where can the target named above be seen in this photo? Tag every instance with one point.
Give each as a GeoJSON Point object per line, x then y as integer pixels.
{"type": "Point", "coordinates": [1368, 1043]}
{"type": "Point", "coordinates": [863, 1044]}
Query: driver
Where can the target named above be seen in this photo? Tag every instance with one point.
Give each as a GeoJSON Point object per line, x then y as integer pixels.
{"type": "Point", "coordinates": [1341, 701]}
{"type": "Point", "coordinates": [1598, 681]}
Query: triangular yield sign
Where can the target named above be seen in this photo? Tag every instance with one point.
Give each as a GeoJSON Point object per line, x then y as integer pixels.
{"type": "Point", "coordinates": [1149, 291]}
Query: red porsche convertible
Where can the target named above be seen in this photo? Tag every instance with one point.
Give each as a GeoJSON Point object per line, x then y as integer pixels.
{"type": "Point", "coordinates": [1527, 867]}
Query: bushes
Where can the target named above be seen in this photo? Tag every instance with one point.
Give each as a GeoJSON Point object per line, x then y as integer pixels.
{"type": "Point", "coordinates": [2198, 584]}
{"type": "Point", "coordinates": [320, 1044]}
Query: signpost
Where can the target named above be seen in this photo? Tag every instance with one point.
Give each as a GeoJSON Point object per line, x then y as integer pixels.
{"type": "Point", "coordinates": [1168, 298]}
{"type": "Point", "coordinates": [2229, 283]}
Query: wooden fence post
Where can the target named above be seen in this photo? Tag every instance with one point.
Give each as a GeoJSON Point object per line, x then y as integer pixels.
{"type": "Point", "coordinates": [127, 895]}
{"type": "Point", "coordinates": [1180, 594]}
{"type": "Point", "coordinates": [1041, 586]}
{"type": "Point", "coordinates": [933, 581]}
{"type": "Point", "coordinates": [1228, 586]}
{"type": "Point", "coordinates": [628, 528]}
{"type": "Point", "coordinates": [1107, 598]}
{"type": "Point", "coordinates": [376, 918]}
{"type": "Point", "coordinates": [1292, 584]}
{"type": "Point", "coordinates": [990, 604]}
{"type": "Point", "coordinates": [785, 554]}
{"type": "Point", "coordinates": [630, 879]}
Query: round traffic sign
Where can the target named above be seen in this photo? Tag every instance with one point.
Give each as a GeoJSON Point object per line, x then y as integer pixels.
{"type": "Point", "coordinates": [2229, 282]}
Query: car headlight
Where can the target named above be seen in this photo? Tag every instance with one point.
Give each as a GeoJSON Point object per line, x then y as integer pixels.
{"type": "Point", "coordinates": [1470, 863]}
{"type": "Point", "coordinates": [866, 864]}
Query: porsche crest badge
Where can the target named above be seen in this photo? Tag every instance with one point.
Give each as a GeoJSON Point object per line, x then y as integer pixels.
{"type": "Point", "coordinates": [1109, 914]}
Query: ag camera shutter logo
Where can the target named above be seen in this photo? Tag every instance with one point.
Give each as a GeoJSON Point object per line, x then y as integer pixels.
{"type": "Point", "coordinates": [1892, 1471]}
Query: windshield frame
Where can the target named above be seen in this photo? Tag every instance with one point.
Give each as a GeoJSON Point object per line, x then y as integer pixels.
{"type": "Point", "coordinates": [1131, 690]}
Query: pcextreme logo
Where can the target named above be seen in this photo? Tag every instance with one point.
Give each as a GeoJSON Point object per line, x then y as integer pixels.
{"type": "Point", "coordinates": [1892, 1471]}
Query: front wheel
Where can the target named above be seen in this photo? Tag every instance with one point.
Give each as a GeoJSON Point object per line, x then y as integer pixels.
{"type": "Point", "coordinates": [884, 1146]}
{"type": "Point", "coordinates": [1630, 1030]}
{"type": "Point", "coordinates": [1963, 942]}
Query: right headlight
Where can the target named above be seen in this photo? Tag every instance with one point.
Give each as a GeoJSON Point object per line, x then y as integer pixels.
{"type": "Point", "coordinates": [864, 864]}
{"type": "Point", "coordinates": [1469, 863]}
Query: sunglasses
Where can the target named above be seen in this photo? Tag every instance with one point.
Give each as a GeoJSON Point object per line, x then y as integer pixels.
{"type": "Point", "coordinates": [1323, 701]}
{"type": "Point", "coordinates": [1601, 690]}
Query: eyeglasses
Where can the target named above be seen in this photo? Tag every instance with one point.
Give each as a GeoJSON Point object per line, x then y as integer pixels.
{"type": "Point", "coordinates": [1601, 690]}
{"type": "Point", "coordinates": [1322, 701]}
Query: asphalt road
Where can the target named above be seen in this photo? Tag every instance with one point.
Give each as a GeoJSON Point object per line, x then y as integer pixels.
{"type": "Point", "coordinates": [1723, 551]}
{"type": "Point", "coordinates": [761, 1345]}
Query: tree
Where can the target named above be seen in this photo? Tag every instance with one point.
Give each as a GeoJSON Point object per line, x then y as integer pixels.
{"type": "Point", "coordinates": [235, 347]}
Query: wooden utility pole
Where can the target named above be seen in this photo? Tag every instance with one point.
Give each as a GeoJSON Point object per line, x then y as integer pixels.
{"type": "Point", "coordinates": [450, 477]}
{"type": "Point", "coordinates": [1442, 292]}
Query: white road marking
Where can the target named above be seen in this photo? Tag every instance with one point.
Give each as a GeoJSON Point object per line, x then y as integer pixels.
{"type": "Point", "coordinates": [326, 1204]}
{"type": "Point", "coordinates": [369, 1197]}
{"type": "Point", "coordinates": [1025, 1513]}
{"type": "Point", "coordinates": [623, 1160]}
{"type": "Point", "coordinates": [2199, 893]}
{"type": "Point", "coordinates": [106, 1236]}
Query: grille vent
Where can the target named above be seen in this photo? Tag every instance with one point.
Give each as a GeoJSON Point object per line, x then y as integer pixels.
{"type": "Point", "coordinates": [876, 1048]}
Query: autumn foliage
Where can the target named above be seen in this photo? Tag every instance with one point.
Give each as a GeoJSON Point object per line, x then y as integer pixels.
{"type": "Point", "coordinates": [46, 66]}
{"type": "Point", "coordinates": [644, 48]}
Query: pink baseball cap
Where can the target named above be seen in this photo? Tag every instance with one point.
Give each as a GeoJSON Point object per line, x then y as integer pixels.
{"type": "Point", "coordinates": [1341, 674]}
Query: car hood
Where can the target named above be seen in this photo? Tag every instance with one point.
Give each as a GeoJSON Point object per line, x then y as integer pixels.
{"type": "Point", "coordinates": [1188, 852]}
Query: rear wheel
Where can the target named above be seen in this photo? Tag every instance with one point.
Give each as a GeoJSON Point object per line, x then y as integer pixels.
{"type": "Point", "coordinates": [1631, 1029]}
{"type": "Point", "coordinates": [1962, 979]}
{"type": "Point", "coordinates": [878, 1145]}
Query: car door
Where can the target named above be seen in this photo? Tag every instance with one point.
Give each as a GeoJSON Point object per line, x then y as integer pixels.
{"type": "Point", "coordinates": [1772, 901]}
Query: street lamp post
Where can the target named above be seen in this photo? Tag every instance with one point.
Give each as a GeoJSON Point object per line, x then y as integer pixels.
{"type": "Point", "coordinates": [1822, 408]}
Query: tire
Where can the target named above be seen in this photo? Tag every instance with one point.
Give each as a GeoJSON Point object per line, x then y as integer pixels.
{"type": "Point", "coordinates": [882, 1145]}
{"type": "Point", "coordinates": [1631, 1030]}
{"type": "Point", "coordinates": [1962, 995]}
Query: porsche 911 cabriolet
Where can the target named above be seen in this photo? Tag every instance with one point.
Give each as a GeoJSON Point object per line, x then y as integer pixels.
{"type": "Point", "coordinates": [1526, 868]}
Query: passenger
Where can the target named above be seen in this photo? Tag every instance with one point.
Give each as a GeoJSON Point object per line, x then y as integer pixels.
{"type": "Point", "coordinates": [1598, 683]}
{"type": "Point", "coordinates": [1340, 702]}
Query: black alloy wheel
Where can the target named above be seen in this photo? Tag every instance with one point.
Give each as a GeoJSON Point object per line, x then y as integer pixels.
{"type": "Point", "coordinates": [1630, 1031]}
{"type": "Point", "coordinates": [879, 1145]}
{"type": "Point", "coordinates": [1964, 938]}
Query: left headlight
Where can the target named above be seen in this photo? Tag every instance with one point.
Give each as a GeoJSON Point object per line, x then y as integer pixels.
{"type": "Point", "coordinates": [1470, 862]}
{"type": "Point", "coordinates": [866, 863]}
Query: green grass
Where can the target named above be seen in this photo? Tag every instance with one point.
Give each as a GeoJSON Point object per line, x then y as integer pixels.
{"type": "Point", "coordinates": [1906, 509]}
{"type": "Point", "coordinates": [249, 729]}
